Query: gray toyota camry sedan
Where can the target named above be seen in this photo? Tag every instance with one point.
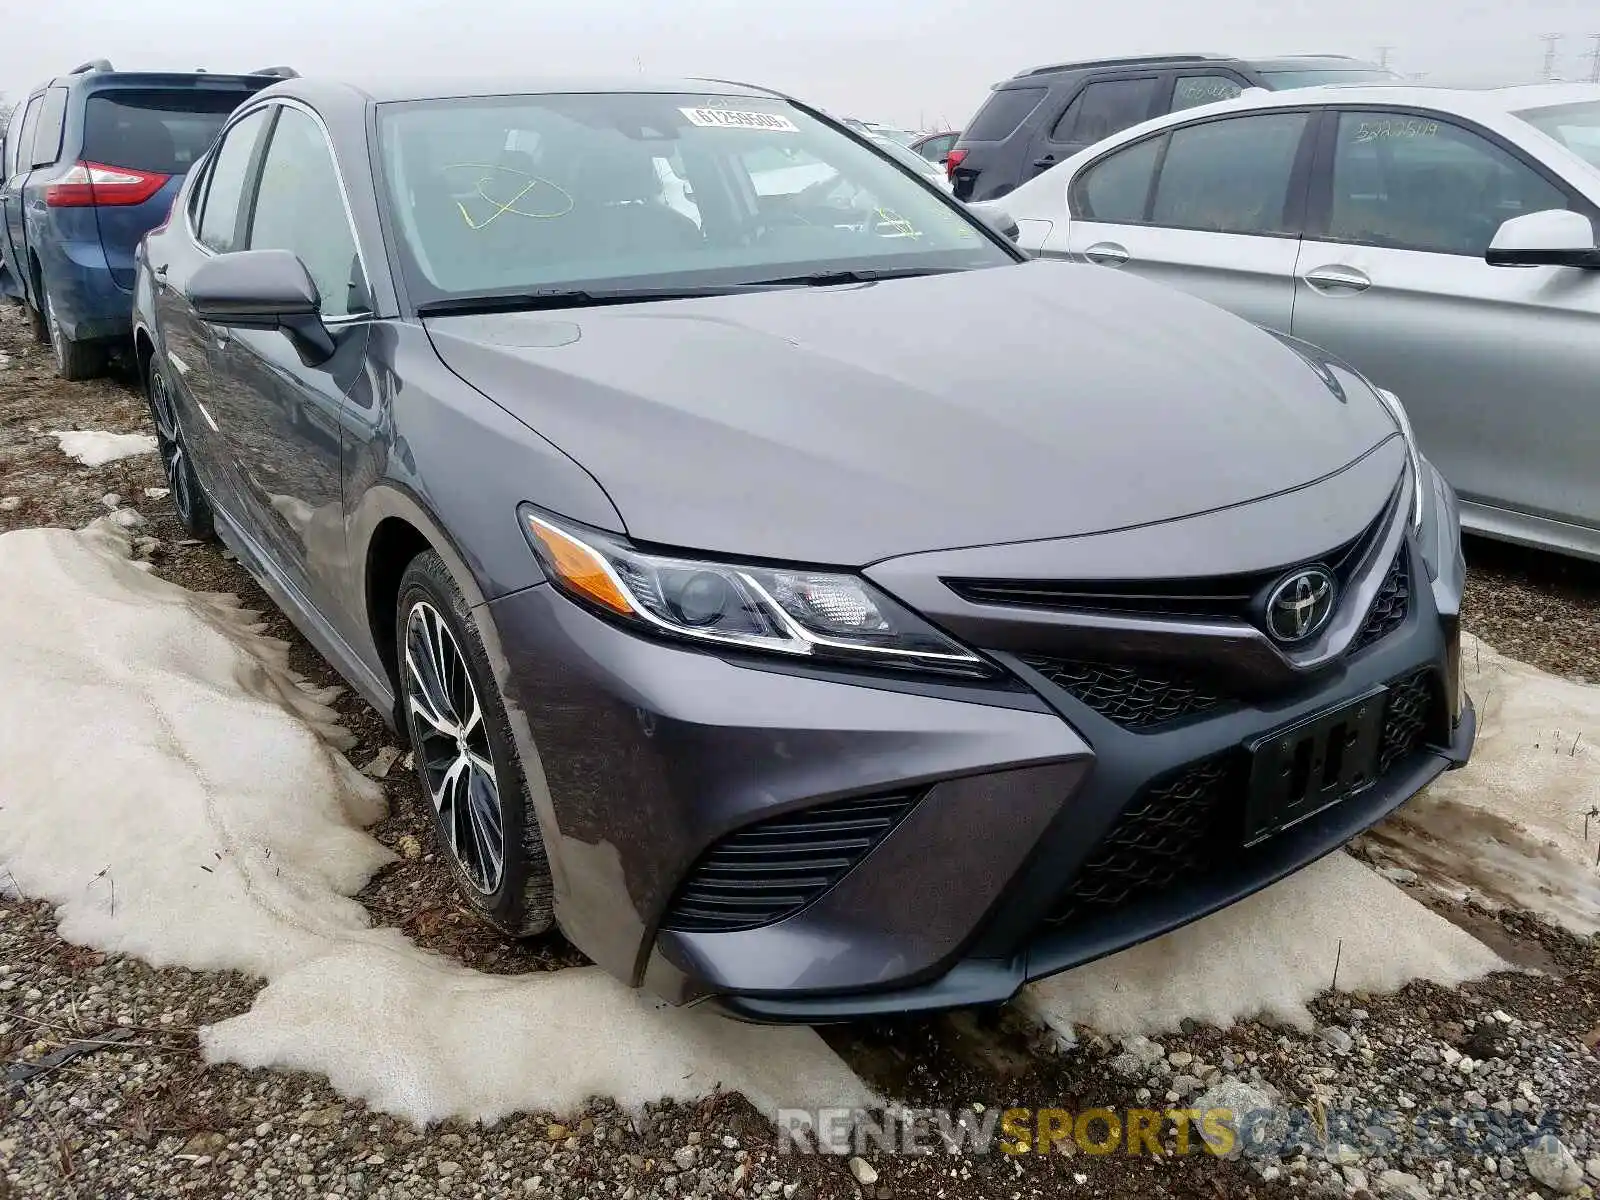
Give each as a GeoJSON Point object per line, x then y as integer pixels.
{"type": "Point", "coordinates": [801, 598]}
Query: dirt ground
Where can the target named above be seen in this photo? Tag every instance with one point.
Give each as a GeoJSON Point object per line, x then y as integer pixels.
{"type": "Point", "coordinates": [149, 1117]}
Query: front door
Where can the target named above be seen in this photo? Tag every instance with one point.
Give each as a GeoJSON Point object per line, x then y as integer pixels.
{"type": "Point", "coordinates": [283, 422]}
{"type": "Point", "coordinates": [1212, 208]}
{"type": "Point", "coordinates": [1497, 366]}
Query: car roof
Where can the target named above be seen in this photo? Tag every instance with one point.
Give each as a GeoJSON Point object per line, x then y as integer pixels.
{"type": "Point", "coordinates": [1282, 62]}
{"type": "Point", "coordinates": [398, 89]}
{"type": "Point", "coordinates": [1479, 102]}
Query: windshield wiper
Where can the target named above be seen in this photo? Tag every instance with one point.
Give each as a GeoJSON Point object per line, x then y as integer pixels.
{"type": "Point", "coordinates": [834, 278]}
{"type": "Point", "coordinates": [555, 298]}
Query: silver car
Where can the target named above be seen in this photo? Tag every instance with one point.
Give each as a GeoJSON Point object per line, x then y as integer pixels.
{"type": "Point", "coordinates": [1441, 241]}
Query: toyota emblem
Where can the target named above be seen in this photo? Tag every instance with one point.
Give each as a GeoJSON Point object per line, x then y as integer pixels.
{"type": "Point", "coordinates": [1300, 605]}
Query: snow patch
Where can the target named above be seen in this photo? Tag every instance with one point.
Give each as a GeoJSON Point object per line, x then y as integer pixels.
{"type": "Point", "coordinates": [1518, 825]}
{"type": "Point", "coordinates": [178, 793]}
{"type": "Point", "coordinates": [96, 447]}
{"type": "Point", "coordinates": [1266, 956]}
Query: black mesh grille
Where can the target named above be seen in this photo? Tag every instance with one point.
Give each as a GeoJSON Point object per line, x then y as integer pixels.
{"type": "Point", "coordinates": [1172, 831]}
{"type": "Point", "coordinates": [1187, 823]}
{"type": "Point", "coordinates": [1126, 695]}
{"type": "Point", "coordinates": [1389, 607]}
{"type": "Point", "coordinates": [766, 871]}
{"type": "Point", "coordinates": [1408, 712]}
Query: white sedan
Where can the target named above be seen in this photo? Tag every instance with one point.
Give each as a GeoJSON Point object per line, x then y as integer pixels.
{"type": "Point", "coordinates": [1383, 223]}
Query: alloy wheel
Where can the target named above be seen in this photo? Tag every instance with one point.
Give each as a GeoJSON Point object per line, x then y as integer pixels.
{"type": "Point", "coordinates": [169, 441]}
{"type": "Point", "coordinates": [451, 741]}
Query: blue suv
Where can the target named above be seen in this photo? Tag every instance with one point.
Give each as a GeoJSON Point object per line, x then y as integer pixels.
{"type": "Point", "coordinates": [92, 161]}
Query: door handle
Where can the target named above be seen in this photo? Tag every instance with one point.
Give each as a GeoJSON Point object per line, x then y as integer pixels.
{"type": "Point", "coordinates": [1048, 160]}
{"type": "Point", "coordinates": [1107, 254]}
{"type": "Point", "coordinates": [1336, 279]}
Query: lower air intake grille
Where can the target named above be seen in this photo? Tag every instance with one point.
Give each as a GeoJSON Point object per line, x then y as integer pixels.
{"type": "Point", "coordinates": [1406, 718]}
{"type": "Point", "coordinates": [1171, 832]}
{"type": "Point", "coordinates": [766, 871]}
{"type": "Point", "coordinates": [1388, 611]}
{"type": "Point", "coordinates": [1125, 695]}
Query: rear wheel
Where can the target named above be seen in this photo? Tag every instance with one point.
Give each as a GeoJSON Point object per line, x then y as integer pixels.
{"type": "Point", "coordinates": [188, 498]}
{"type": "Point", "coordinates": [465, 756]}
{"type": "Point", "coordinates": [74, 360]}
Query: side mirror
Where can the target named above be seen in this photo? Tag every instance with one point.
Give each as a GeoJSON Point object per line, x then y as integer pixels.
{"type": "Point", "coordinates": [1553, 238]}
{"type": "Point", "coordinates": [262, 289]}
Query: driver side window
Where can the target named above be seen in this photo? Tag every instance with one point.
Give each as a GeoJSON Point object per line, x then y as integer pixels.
{"type": "Point", "coordinates": [1409, 182]}
{"type": "Point", "coordinates": [299, 206]}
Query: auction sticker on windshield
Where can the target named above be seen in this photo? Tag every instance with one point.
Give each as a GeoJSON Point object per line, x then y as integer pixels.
{"type": "Point", "coordinates": [727, 118]}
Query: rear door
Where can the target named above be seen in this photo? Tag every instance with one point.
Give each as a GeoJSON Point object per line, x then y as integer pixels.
{"type": "Point", "coordinates": [1104, 105]}
{"type": "Point", "coordinates": [1213, 208]}
{"type": "Point", "coordinates": [214, 221]}
{"type": "Point", "coordinates": [18, 165]}
{"type": "Point", "coordinates": [153, 133]}
{"type": "Point", "coordinates": [1498, 367]}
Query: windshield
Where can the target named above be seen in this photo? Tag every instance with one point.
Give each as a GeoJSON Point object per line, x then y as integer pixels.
{"type": "Point", "coordinates": [908, 156]}
{"type": "Point", "coordinates": [1284, 80]}
{"type": "Point", "coordinates": [1575, 126]}
{"type": "Point", "coordinates": [500, 195]}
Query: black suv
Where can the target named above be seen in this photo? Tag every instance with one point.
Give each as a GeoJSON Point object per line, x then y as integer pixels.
{"type": "Point", "coordinates": [1039, 117]}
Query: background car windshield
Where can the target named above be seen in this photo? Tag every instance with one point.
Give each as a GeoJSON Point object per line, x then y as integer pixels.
{"type": "Point", "coordinates": [1283, 80]}
{"type": "Point", "coordinates": [1575, 126]}
{"type": "Point", "coordinates": [494, 195]}
{"type": "Point", "coordinates": [163, 131]}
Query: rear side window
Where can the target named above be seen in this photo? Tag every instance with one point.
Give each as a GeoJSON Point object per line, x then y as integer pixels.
{"type": "Point", "coordinates": [165, 131]}
{"type": "Point", "coordinates": [220, 220]}
{"type": "Point", "coordinates": [24, 151]}
{"type": "Point", "coordinates": [1002, 112]}
{"type": "Point", "coordinates": [47, 132]}
{"type": "Point", "coordinates": [1104, 108]}
{"type": "Point", "coordinates": [1230, 176]}
{"type": "Point", "coordinates": [13, 140]}
{"type": "Point", "coordinates": [1116, 188]}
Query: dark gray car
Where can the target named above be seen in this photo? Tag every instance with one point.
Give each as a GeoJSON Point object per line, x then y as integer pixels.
{"type": "Point", "coordinates": [790, 590]}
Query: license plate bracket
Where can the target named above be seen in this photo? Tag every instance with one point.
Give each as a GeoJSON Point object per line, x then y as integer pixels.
{"type": "Point", "coordinates": [1301, 769]}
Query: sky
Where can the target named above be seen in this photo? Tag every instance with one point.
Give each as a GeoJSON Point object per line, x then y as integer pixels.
{"type": "Point", "coordinates": [925, 64]}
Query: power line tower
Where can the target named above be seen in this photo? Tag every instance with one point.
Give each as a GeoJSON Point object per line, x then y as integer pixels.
{"type": "Point", "coordinates": [1594, 59]}
{"type": "Point", "coordinates": [1550, 41]}
{"type": "Point", "coordinates": [1383, 55]}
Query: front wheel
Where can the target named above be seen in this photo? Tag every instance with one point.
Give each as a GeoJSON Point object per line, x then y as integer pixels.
{"type": "Point", "coordinates": [465, 756]}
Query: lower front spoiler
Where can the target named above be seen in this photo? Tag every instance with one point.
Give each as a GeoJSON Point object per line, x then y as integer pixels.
{"type": "Point", "coordinates": [984, 981]}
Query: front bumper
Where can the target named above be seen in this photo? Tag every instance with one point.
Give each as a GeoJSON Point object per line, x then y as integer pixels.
{"type": "Point", "coordinates": [650, 762]}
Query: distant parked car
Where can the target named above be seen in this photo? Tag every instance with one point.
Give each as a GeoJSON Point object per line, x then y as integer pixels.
{"type": "Point", "coordinates": [936, 147]}
{"type": "Point", "coordinates": [1042, 116]}
{"type": "Point", "coordinates": [92, 162]}
{"type": "Point", "coordinates": [1379, 223]}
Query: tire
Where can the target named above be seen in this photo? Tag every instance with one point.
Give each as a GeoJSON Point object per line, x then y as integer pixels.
{"type": "Point", "coordinates": [75, 361]}
{"type": "Point", "coordinates": [434, 625]}
{"type": "Point", "coordinates": [189, 499]}
{"type": "Point", "coordinates": [37, 323]}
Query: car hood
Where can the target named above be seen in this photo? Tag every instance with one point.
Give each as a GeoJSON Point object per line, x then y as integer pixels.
{"type": "Point", "coordinates": [843, 425]}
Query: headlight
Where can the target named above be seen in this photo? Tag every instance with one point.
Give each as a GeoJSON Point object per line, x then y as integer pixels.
{"type": "Point", "coordinates": [796, 612]}
{"type": "Point", "coordinates": [1418, 479]}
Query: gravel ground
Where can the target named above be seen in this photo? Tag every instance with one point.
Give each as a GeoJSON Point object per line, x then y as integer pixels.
{"type": "Point", "coordinates": [145, 1116]}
